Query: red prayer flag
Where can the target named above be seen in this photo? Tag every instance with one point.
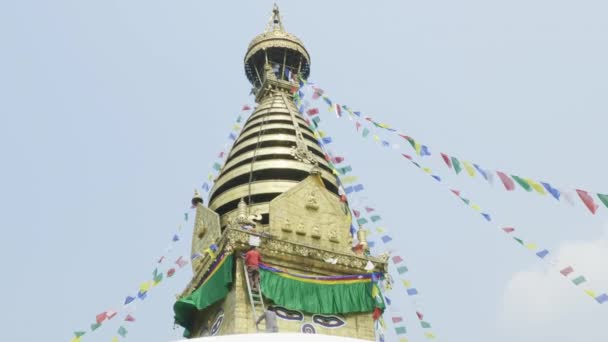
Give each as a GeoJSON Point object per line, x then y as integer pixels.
{"type": "Point", "coordinates": [588, 200]}
{"type": "Point", "coordinates": [397, 259]}
{"type": "Point", "coordinates": [338, 110]}
{"type": "Point", "coordinates": [507, 181]}
{"type": "Point", "coordinates": [181, 262]}
{"type": "Point", "coordinates": [130, 318]}
{"type": "Point", "coordinates": [358, 125]}
{"type": "Point", "coordinates": [369, 210]}
{"type": "Point", "coordinates": [377, 313]}
{"type": "Point", "coordinates": [419, 314]}
{"type": "Point", "coordinates": [312, 111]}
{"type": "Point", "coordinates": [161, 259]}
{"type": "Point", "coordinates": [566, 271]}
{"type": "Point", "coordinates": [327, 157]}
{"type": "Point", "coordinates": [246, 107]}
{"type": "Point", "coordinates": [508, 230]}
{"type": "Point", "coordinates": [357, 213]}
{"type": "Point", "coordinates": [456, 192]}
{"type": "Point", "coordinates": [397, 319]}
{"type": "Point", "coordinates": [447, 160]}
{"type": "Point", "coordinates": [100, 318]}
{"type": "Point", "coordinates": [338, 160]}
{"type": "Point", "coordinates": [171, 272]}
{"type": "Point", "coordinates": [407, 156]}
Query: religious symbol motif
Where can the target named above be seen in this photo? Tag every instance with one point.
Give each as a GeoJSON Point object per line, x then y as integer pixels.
{"type": "Point", "coordinates": [312, 202]}
{"type": "Point", "coordinates": [300, 230]}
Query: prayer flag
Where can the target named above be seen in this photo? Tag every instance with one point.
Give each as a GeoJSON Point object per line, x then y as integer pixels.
{"type": "Point", "coordinates": [359, 187]}
{"type": "Point", "coordinates": [365, 132]}
{"type": "Point", "coordinates": [579, 280]}
{"type": "Point", "coordinates": [122, 331]}
{"type": "Point", "coordinates": [469, 168]}
{"type": "Point", "coordinates": [144, 287]}
{"type": "Point", "coordinates": [397, 319]}
{"type": "Point", "coordinates": [406, 283]}
{"type": "Point", "coordinates": [400, 330]}
{"type": "Point", "coordinates": [316, 120]}
{"type": "Point", "coordinates": [338, 160]}
{"type": "Point", "coordinates": [447, 160]}
{"type": "Point", "coordinates": [375, 218]}
{"type": "Point", "coordinates": [175, 238]}
{"type": "Point", "coordinates": [588, 200]}
{"type": "Point", "coordinates": [239, 119]}
{"type": "Point", "coordinates": [312, 111]}
{"type": "Point", "coordinates": [353, 231]}
{"type": "Point", "coordinates": [591, 293]}
{"type": "Point", "coordinates": [424, 151]}
{"type": "Point", "coordinates": [181, 262]}
{"type": "Point", "coordinates": [456, 164]}
{"type": "Point", "coordinates": [429, 335]}
{"type": "Point", "coordinates": [356, 212]}
{"type": "Point", "coordinates": [388, 300]}
{"type": "Point", "coordinates": [406, 156]}
{"type": "Point", "coordinates": [486, 216]}
{"type": "Point", "coordinates": [110, 314]}
{"type": "Point", "coordinates": [371, 244]}
{"type": "Point", "coordinates": [412, 292]}
{"type": "Point", "coordinates": [386, 238]}
{"type": "Point", "coordinates": [338, 110]}
{"type": "Point", "coordinates": [94, 326]}
{"type": "Point", "coordinates": [602, 298]}
{"type": "Point", "coordinates": [425, 325]}
{"type": "Point", "coordinates": [142, 295]}
{"type": "Point", "coordinates": [553, 191]}
{"type": "Point", "coordinates": [362, 221]}
{"type": "Point", "coordinates": [171, 272]}
{"type": "Point", "coordinates": [397, 259]}
{"type": "Point", "coordinates": [348, 189]}
{"type": "Point", "coordinates": [542, 254]}
{"type": "Point", "coordinates": [466, 201]}
{"type": "Point", "coordinates": [521, 242]}
{"type": "Point", "coordinates": [129, 299]}
{"type": "Point", "coordinates": [345, 170]}
{"type": "Point", "coordinates": [100, 317]}
{"type": "Point", "coordinates": [537, 187]}
{"type": "Point", "coordinates": [327, 140]}
{"type": "Point", "coordinates": [217, 166]}
{"type": "Point", "coordinates": [481, 171]}
{"type": "Point", "coordinates": [130, 318]}
{"type": "Point", "coordinates": [357, 114]}
{"type": "Point", "coordinates": [522, 182]}
{"type": "Point", "coordinates": [369, 209]}
{"type": "Point", "coordinates": [246, 107]}
{"type": "Point", "coordinates": [456, 192]}
{"type": "Point", "coordinates": [75, 339]}
{"type": "Point", "coordinates": [568, 197]}
{"type": "Point", "coordinates": [566, 271]}
{"type": "Point", "coordinates": [475, 207]}
{"type": "Point", "coordinates": [205, 187]}
{"type": "Point", "coordinates": [508, 230]}
{"type": "Point", "coordinates": [196, 256]}
{"type": "Point", "coordinates": [437, 178]}
{"type": "Point", "coordinates": [185, 216]}
{"type": "Point", "coordinates": [402, 269]}
{"type": "Point", "coordinates": [386, 143]}
{"type": "Point", "coordinates": [232, 136]}
{"type": "Point", "coordinates": [531, 246]}
{"type": "Point", "coordinates": [79, 333]}
{"type": "Point", "coordinates": [604, 199]}
{"type": "Point", "coordinates": [506, 181]}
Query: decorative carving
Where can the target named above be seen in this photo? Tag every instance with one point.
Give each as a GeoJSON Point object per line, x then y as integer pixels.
{"type": "Point", "coordinates": [300, 230]}
{"type": "Point", "coordinates": [287, 226]}
{"type": "Point", "coordinates": [300, 152]}
{"type": "Point", "coordinates": [316, 232]}
{"type": "Point", "coordinates": [312, 202]}
{"type": "Point", "coordinates": [333, 236]}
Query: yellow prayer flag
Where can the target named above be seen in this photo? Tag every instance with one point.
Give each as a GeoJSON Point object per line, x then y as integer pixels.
{"type": "Point", "coordinates": [236, 127]}
{"type": "Point", "coordinates": [531, 246]}
{"type": "Point", "coordinates": [383, 125]}
{"type": "Point", "coordinates": [75, 339]}
{"type": "Point", "coordinates": [429, 335]}
{"type": "Point", "coordinates": [475, 207]}
{"type": "Point", "coordinates": [144, 287]}
{"type": "Point", "coordinates": [375, 291]}
{"type": "Point", "coordinates": [407, 284]}
{"type": "Point", "coordinates": [349, 179]}
{"type": "Point", "coordinates": [115, 339]}
{"type": "Point", "coordinates": [417, 147]}
{"type": "Point", "coordinates": [427, 170]}
{"type": "Point", "coordinates": [321, 133]}
{"type": "Point", "coordinates": [335, 172]}
{"type": "Point", "coordinates": [316, 135]}
{"type": "Point", "coordinates": [380, 230]}
{"type": "Point", "coordinates": [539, 188]}
{"type": "Point", "coordinates": [469, 168]}
{"type": "Point", "coordinates": [591, 293]}
{"type": "Point", "coordinates": [376, 138]}
{"type": "Point", "coordinates": [403, 339]}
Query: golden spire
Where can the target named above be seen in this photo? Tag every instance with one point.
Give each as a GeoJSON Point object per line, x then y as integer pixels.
{"type": "Point", "coordinates": [275, 23]}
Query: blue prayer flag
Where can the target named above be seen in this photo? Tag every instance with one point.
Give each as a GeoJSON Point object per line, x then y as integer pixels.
{"type": "Point", "coordinates": [348, 189]}
{"type": "Point", "coordinates": [436, 178]}
{"type": "Point", "coordinates": [388, 301]}
{"type": "Point", "coordinates": [385, 143]}
{"type": "Point", "coordinates": [205, 187]}
{"type": "Point", "coordinates": [486, 216]}
{"type": "Point", "coordinates": [232, 136]}
{"type": "Point", "coordinates": [358, 187]}
{"type": "Point", "coordinates": [142, 295]}
{"type": "Point", "coordinates": [424, 151]}
{"type": "Point", "coordinates": [482, 171]}
{"type": "Point", "coordinates": [353, 231]}
{"type": "Point", "coordinates": [129, 299]}
{"type": "Point", "coordinates": [327, 140]}
{"type": "Point", "coordinates": [386, 238]}
{"type": "Point", "coordinates": [542, 253]}
{"type": "Point", "coordinates": [602, 298]}
{"type": "Point", "coordinates": [412, 292]}
{"type": "Point", "coordinates": [553, 191]}
{"type": "Point", "coordinates": [175, 238]}
{"type": "Point", "coordinates": [358, 114]}
{"type": "Point", "coordinates": [371, 244]}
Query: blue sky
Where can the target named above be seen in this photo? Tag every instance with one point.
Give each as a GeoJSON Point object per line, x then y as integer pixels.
{"type": "Point", "coordinates": [111, 112]}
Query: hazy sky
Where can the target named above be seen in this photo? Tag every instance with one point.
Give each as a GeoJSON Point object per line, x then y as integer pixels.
{"type": "Point", "coordinates": [111, 112]}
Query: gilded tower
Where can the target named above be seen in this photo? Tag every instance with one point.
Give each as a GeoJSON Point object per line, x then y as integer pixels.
{"type": "Point", "coordinates": [277, 191]}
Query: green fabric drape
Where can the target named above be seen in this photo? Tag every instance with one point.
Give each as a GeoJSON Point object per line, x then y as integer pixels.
{"type": "Point", "coordinates": [329, 299]}
{"type": "Point", "coordinates": [216, 287]}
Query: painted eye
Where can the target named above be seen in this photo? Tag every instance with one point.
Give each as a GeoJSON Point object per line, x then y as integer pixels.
{"type": "Point", "coordinates": [328, 321]}
{"type": "Point", "coordinates": [216, 325]}
{"type": "Point", "coordinates": [286, 314]}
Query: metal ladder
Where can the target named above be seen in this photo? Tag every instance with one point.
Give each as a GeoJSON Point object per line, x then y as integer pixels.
{"type": "Point", "coordinates": [255, 298]}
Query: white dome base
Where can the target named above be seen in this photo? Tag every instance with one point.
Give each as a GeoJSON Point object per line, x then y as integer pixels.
{"type": "Point", "coordinates": [274, 337]}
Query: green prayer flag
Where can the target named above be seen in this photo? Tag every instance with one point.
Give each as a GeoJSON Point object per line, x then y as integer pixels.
{"type": "Point", "coordinates": [579, 280]}
{"type": "Point", "coordinates": [365, 132]}
{"type": "Point", "coordinates": [362, 221]}
{"type": "Point", "coordinates": [375, 218]}
{"type": "Point", "coordinates": [456, 164]}
{"type": "Point", "coordinates": [217, 166]}
{"type": "Point", "coordinates": [522, 182]}
{"type": "Point", "coordinates": [239, 119]}
{"type": "Point", "coordinates": [94, 326]}
{"type": "Point", "coordinates": [604, 199]}
{"type": "Point", "coordinates": [345, 170]}
{"type": "Point", "coordinates": [316, 120]}
{"type": "Point", "coordinates": [402, 269]}
{"type": "Point", "coordinates": [79, 333]}
{"type": "Point", "coordinates": [412, 142]}
{"type": "Point", "coordinates": [122, 331]}
{"type": "Point", "coordinates": [400, 330]}
{"type": "Point", "coordinates": [519, 240]}
{"type": "Point", "coordinates": [425, 324]}
{"type": "Point", "coordinates": [465, 200]}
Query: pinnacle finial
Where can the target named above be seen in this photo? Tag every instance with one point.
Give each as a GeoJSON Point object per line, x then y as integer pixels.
{"type": "Point", "coordinates": [196, 198]}
{"type": "Point", "coordinates": [275, 23]}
